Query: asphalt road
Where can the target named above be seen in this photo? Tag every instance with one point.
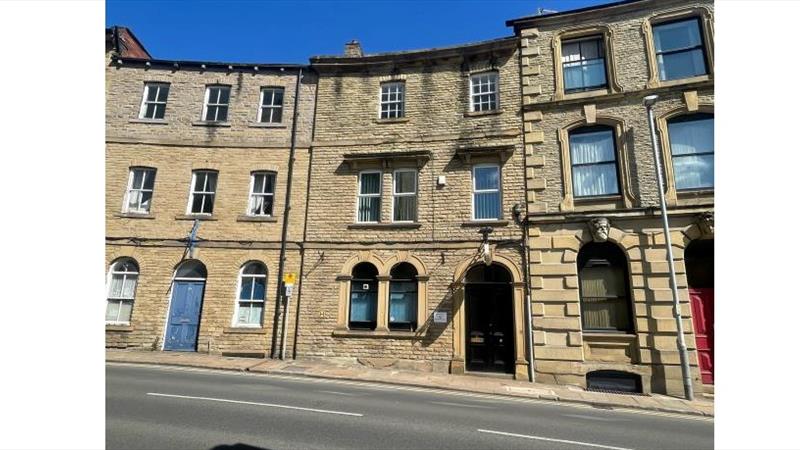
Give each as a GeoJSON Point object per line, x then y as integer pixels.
{"type": "Point", "coordinates": [172, 408]}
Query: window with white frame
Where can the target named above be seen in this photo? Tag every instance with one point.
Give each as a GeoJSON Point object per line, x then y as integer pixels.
{"type": "Point", "coordinates": [369, 197]}
{"type": "Point", "coordinates": [393, 100]}
{"type": "Point", "coordinates": [483, 92]}
{"type": "Point", "coordinates": [216, 103]}
{"type": "Point", "coordinates": [404, 196]}
{"type": "Point", "coordinates": [262, 193]}
{"type": "Point", "coordinates": [203, 190]}
{"type": "Point", "coordinates": [271, 109]}
{"type": "Point", "coordinates": [139, 194]}
{"type": "Point", "coordinates": [252, 294]}
{"type": "Point", "coordinates": [122, 278]}
{"type": "Point", "coordinates": [154, 101]}
{"type": "Point", "coordinates": [486, 192]}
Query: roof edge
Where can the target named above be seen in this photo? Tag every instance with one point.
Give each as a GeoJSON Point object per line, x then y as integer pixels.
{"type": "Point", "coordinates": [534, 19]}
{"type": "Point", "coordinates": [409, 55]}
{"type": "Point", "coordinates": [208, 65]}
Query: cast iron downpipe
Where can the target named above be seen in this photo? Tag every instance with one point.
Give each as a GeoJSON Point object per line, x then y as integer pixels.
{"type": "Point", "coordinates": [285, 230]}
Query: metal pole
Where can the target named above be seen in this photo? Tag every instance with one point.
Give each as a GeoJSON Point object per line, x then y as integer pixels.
{"type": "Point", "coordinates": [286, 299]}
{"type": "Point", "coordinates": [676, 307]}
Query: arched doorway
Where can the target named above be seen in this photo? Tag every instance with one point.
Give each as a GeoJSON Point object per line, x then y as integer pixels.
{"type": "Point", "coordinates": [699, 260]}
{"type": "Point", "coordinates": [183, 319]}
{"type": "Point", "coordinates": [489, 319]}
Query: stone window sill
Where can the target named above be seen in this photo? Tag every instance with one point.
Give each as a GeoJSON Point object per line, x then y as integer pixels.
{"type": "Point", "coordinates": [119, 328]}
{"type": "Point", "coordinates": [387, 225]}
{"type": "Point", "coordinates": [203, 123]}
{"type": "Point", "coordinates": [600, 335]}
{"type": "Point", "coordinates": [195, 216]}
{"type": "Point", "coordinates": [392, 120]}
{"type": "Point", "coordinates": [269, 219]}
{"type": "Point", "coordinates": [482, 223]}
{"type": "Point", "coordinates": [493, 112]}
{"type": "Point", "coordinates": [695, 192]}
{"type": "Point", "coordinates": [585, 94]}
{"type": "Point", "coordinates": [266, 125]}
{"type": "Point", "coordinates": [682, 81]}
{"type": "Point", "coordinates": [134, 216]}
{"type": "Point", "coordinates": [375, 334]}
{"type": "Point", "coordinates": [150, 121]}
{"type": "Point", "coordinates": [244, 330]}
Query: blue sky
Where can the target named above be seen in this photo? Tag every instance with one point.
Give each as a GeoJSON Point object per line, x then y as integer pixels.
{"type": "Point", "coordinates": [291, 31]}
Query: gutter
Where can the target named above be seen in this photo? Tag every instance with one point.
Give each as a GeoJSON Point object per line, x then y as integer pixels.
{"type": "Point", "coordinates": [285, 230]}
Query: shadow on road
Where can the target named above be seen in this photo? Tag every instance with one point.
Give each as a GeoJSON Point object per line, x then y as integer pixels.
{"type": "Point", "coordinates": [238, 446]}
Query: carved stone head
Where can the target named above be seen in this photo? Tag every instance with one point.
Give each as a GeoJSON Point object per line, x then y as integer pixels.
{"type": "Point", "coordinates": [706, 222]}
{"type": "Point", "coordinates": [599, 227]}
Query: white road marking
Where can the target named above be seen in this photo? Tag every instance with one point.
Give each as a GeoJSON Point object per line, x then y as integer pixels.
{"type": "Point", "coordinates": [601, 419]}
{"type": "Point", "coordinates": [339, 393]}
{"type": "Point", "coordinates": [271, 405]}
{"type": "Point", "coordinates": [462, 405]}
{"type": "Point", "coordinates": [540, 438]}
{"type": "Point", "coordinates": [378, 386]}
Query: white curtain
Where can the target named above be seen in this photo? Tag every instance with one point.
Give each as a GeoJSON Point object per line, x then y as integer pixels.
{"type": "Point", "coordinates": [596, 149]}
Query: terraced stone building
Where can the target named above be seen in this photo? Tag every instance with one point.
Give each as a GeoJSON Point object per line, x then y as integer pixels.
{"type": "Point", "coordinates": [602, 305]}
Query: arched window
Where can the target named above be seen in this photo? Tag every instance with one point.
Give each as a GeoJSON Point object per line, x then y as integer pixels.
{"type": "Point", "coordinates": [191, 269]}
{"type": "Point", "coordinates": [364, 297]}
{"type": "Point", "coordinates": [403, 297]}
{"type": "Point", "coordinates": [122, 278]}
{"type": "Point", "coordinates": [691, 141]}
{"type": "Point", "coordinates": [603, 274]}
{"type": "Point", "coordinates": [252, 294]}
{"type": "Point", "coordinates": [593, 156]}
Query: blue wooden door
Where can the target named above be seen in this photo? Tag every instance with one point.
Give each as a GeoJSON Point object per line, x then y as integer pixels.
{"type": "Point", "coordinates": [184, 316]}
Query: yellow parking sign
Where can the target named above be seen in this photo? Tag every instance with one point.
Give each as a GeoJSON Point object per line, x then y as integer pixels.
{"type": "Point", "coordinates": [289, 278]}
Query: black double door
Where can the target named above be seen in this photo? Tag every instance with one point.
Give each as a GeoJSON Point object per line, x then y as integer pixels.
{"type": "Point", "coordinates": [489, 322]}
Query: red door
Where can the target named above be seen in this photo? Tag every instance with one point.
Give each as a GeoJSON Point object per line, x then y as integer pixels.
{"type": "Point", "coordinates": [703, 317]}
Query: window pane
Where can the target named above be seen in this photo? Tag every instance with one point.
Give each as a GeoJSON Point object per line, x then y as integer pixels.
{"type": "Point", "coordinates": [370, 183]}
{"type": "Point", "coordinates": [605, 314]}
{"type": "Point", "coordinates": [197, 203]}
{"type": "Point", "coordinates": [222, 115]}
{"type": "Point", "coordinates": [244, 313]}
{"type": "Point", "coordinates": [144, 204]}
{"type": "Point", "coordinates": [125, 308]}
{"type": "Point", "coordinates": [681, 65]}
{"type": "Point", "coordinates": [691, 136]}
{"type": "Point", "coordinates": [211, 181]}
{"type": "Point", "coordinates": [487, 178]}
{"type": "Point", "coordinates": [369, 209]}
{"type": "Point", "coordinates": [405, 182]}
{"type": "Point", "coordinates": [402, 306]}
{"type": "Point", "coordinates": [591, 147]}
{"type": "Point", "coordinates": [693, 172]}
{"type": "Point", "coordinates": [112, 310]}
{"type": "Point", "coordinates": [246, 288]}
{"type": "Point", "coordinates": [151, 92]}
{"type": "Point", "coordinates": [363, 306]}
{"type": "Point", "coordinates": [160, 110]}
{"type": "Point", "coordinates": [115, 290]}
{"type": "Point", "coordinates": [138, 179]}
{"type": "Point", "coordinates": [129, 286]}
{"type": "Point", "coordinates": [269, 183]}
{"type": "Point", "coordinates": [259, 288]}
{"type": "Point", "coordinates": [163, 92]}
{"type": "Point", "coordinates": [150, 111]}
{"type": "Point", "coordinates": [278, 97]}
{"type": "Point", "coordinates": [224, 95]}
{"type": "Point", "coordinates": [277, 115]}
{"type": "Point", "coordinates": [149, 179]}
{"type": "Point", "coordinates": [678, 35]}
{"type": "Point", "coordinates": [255, 268]}
{"type": "Point", "coordinates": [487, 205]}
{"type": "Point", "coordinates": [570, 51]}
{"type": "Point", "coordinates": [405, 208]}
{"type": "Point", "coordinates": [211, 113]}
{"type": "Point", "coordinates": [600, 179]}
{"type": "Point", "coordinates": [603, 281]}
{"type": "Point", "coordinates": [208, 206]}
{"type": "Point", "coordinates": [255, 313]}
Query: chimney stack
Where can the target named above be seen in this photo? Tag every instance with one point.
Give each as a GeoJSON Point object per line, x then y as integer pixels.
{"type": "Point", "coordinates": [353, 49]}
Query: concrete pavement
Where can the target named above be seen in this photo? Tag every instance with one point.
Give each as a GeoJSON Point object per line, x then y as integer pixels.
{"type": "Point", "coordinates": [334, 369]}
{"type": "Point", "coordinates": [172, 407]}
